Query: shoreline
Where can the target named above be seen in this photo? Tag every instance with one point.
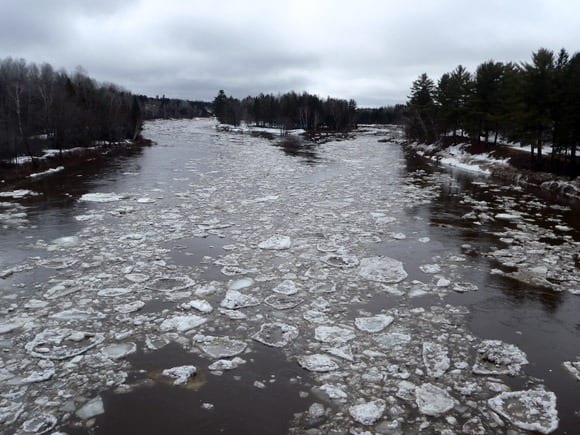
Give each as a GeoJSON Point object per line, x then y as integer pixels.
{"type": "Point", "coordinates": [14, 175]}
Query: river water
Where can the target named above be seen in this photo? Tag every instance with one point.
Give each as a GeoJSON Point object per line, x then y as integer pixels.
{"type": "Point", "coordinates": [348, 287]}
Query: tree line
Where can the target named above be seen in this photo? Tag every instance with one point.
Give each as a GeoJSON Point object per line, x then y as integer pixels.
{"type": "Point", "coordinates": [44, 108]}
{"type": "Point", "coordinates": [172, 108]}
{"type": "Point", "coordinates": [287, 111]}
{"type": "Point", "coordinates": [534, 103]}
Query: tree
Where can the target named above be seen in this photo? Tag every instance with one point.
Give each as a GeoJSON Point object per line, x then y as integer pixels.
{"type": "Point", "coordinates": [420, 124]}
{"type": "Point", "coordinates": [451, 96]}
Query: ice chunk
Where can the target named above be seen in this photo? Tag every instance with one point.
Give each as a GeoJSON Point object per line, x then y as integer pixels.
{"type": "Point", "coordinates": [198, 304]}
{"type": "Point", "coordinates": [241, 283]}
{"type": "Point", "coordinates": [129, 307]}
{"type": "Point", "coordinates": [40, 424]}
{"type": "Point", "coordinates": [64, 242]}
{"type": "Point", "coordinates": [382, 269]}
{"type": "Point", "coordinates": [334, 334]}
{"type": "Point", "coordinates": [182, 323]}
{"type": "Point", "coordinates": [430, 268]}
{"type": "Point", "coordinates": [7, 326]}
{"type": "Point", "coordinates": [234, 300]}
{"type": "Point", "coordinates": [433, 400]}
{"type": "Point", "coordinates": [532, 410]}
{"type": "Point", "coordinates": [137, 278]}
{"type": "Point", "coordinates": [18, 194]}
{"type": "Point", "coordinates": [226, 364]}
{"type": "Point", "coordinates": [315, 316]}
{"type": "Point", "coordinates": [435, 358]}
{"type": "Point", "coordinates": [180, 374]}
{"type": "Point", "coordinates": [387, 341]}
{"type": "Point", "coordinates": [498, 358]}
{"type": "Point", "coordinates": [373, 324]}
{"type": "Point", "coordinates": [62, 289]}
{"type": "Point", "coordinates": [222, 347]}
{"type": "Point", "coordinates": [368, 413]}
{"type": "Point", "coordinates": [91, 409]}
{"type": "Point", "coordinates": [101, 197]}
{"type": "Point", "coordinates": [276, 242]}
{"type": "Point", "coordinates": [287, 287]}
{"type": "Point", "coordinates": [120, 350]}
{"type": "Point", "coordinates": [74, 314]}
{"type": "Point", "coordinates": [113, 292]}
{"type": "Point", "coordinates": [573, 367]}
{"type": "Point", "coordinates": [171, 284]}
{"type": "Point", "coordinates": [283, 302]}
{"type": "Point", "coordinates": [508, 216]}
{"type": "Point", "coordinates": [334, 392]}
{"type": "Point", "coordinates": [60, 344]}
{"type": "Point", "coordinates": [276, 334]}
{"type": "Point", "coordinates": [317, 363]}
{"type": "Point", "coordinates": [323, 287]}
{"type": "Point", "coordinates": [340, 260]}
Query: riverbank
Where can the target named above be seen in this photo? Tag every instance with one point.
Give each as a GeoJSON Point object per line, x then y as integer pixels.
{"type": "Point", "coordinates": [505, 162]}
{"type": "Point", "coordinates": [25, 170]}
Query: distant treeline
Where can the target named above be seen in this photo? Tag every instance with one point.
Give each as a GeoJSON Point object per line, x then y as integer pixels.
{"type": "Point", "coordinates": [44, 108]}
{"type": "Point", "coordinates": [534, 103]}
{"type": "Point", "coordinates": [172, 108]}
{"type": "Point", "coordinates": [382, 115]}
{"type": "Point", "coordinates": [287, 111]}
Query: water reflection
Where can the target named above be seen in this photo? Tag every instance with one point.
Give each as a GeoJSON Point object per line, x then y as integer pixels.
{"type": "Point", "coordinates": [296, 147]}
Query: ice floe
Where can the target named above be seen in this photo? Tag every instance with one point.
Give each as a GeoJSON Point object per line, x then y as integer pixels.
{"type": "Point", "coordinates": [494, 357]}
{"type": "Point", "coordinates": [101, 197]}
{"type": "Point", "coordinates": [276, 242]}
{"type": "Point", "coordinates": [221, 347]}
{"type": "Point", "coordinates": [436, 359]}
{"type": "Point", "coordinates": [276, 334]}
{"type": "Point", "coordinates": [180, 374]}
{"type": "Point", "coordinates": [317, 363]}
{"type": "Point", "coordinates": [374, 323]}
{"type": "Point", "coordinates": [533, 410]}
{"type": "Point", "coordinates": [433, 400]}
{"type": "Point", "coordinates": [382, 269]}
{"type": "Point", "coordinates": [368, 413]}
{"type": "Point", "coordinates": [182, 323]}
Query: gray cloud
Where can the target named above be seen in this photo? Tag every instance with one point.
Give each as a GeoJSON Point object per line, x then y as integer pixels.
{"type": "Point", "coordinates": [369, 50]}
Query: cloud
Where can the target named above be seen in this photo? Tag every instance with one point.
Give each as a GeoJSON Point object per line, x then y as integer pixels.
{"type": "Point", "coordinates": [369, 50]}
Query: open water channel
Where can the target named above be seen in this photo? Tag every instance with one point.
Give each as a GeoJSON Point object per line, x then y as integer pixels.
{"type": "Point", "coordinates": [220, 283]}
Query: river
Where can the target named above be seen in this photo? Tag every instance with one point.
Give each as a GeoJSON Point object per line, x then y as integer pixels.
{"type": "Point", "coordinates": [345, 287]}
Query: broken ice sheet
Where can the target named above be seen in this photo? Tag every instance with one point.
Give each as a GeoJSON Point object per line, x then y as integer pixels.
{"type": "Point", "coordinates": [182, 323]}
{"type": "Point", "coordinates": [276, 334]}
{"type": "Point", "coordinates": [221, 347]}
{"type": "Point", "coordinates": [368, 413]}
{"type": "Point", "coordinates": [334, 334]}
{"type": "Point", "coordinates": [317, 363]}
{"type": "Point", "coordinates": [40, 424]}
{"type": "Point", "coordinates": [276, 242]}
{"type": "Point", "coordinates": [171, 283]}
{"type": "Point", "coordinates": [533, 410]}
{"type": "Point", "coordinates": [573, 367]}
{"type": "Point", "coordinates": [374, 323]}
{"type": "Point", "coordinates": [60, 344]}
{"type": "Point", "coordinates": [433, 400]}
{"type": "Point", "coordinates": [234, 300]}
{"type": "Point", "coordinates": [91, 409]}
{"type": "Point", "coordinates": [119, 350]}
{"type": "Point", "coordinates": [180, 374]}
{"type": "Point", "coordinates": [226, 364]}
{"type": "Point", "coordinates": [435, 358]}
{"type": "Point", "coordinates": [382, 269]}
{"type": "Point", "coordinates": [286, 287]}
{"type": "Point", "coordinates": [498, 358]}
{"type": "Point", "coordinates": [283, 302]}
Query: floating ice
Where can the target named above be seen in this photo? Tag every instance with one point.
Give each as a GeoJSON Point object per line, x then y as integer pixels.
{"type": "Point", "coordinates": [573, 367]}
{"type": "Point", "coordinates": [182, 323]}
{"type": "Point", "coordinates": [463, 287]}
{"type": "Point", "coordinates": [382, 269]}
{"type": "Point", "coordinates": [129, 307]}
{"type": "Point", "coordinates": [241, 283]}
{"type": "Point", "coordinates": [533, 410]}
{"type": "Point", "coordinates": [45, 372]}
{"type": "Point", "coordinates": [7, 326]}
{"type": "Point", "coordinates": [433, 400]}
{"type": "Point", "coordinates": [276, 242]}
{"type": "Point", "coordinates": [101, 197]}
{"type": "Point", "coordinates": [226, 364]}
{"type": "Point", "coordinates": [315, 316]}
{"type": "Point", "coordinates": [276, 334]}
{"type": "Point", "coordinates": [286, 287]}
{"type": "Point", "coordinates": [498, 358]}
{"type": "Point", "coordinates": [180, 374]}
{"type": "Point", "coordinates": [334, 392]}
{"type": "Point", "coordinates": [59, 344]}
{"type": "Point", "coordinates": [317, 363]}
{"type": "Point", "coordinates": [430, 268]}
{"type": "Point", "coordinates": [61, 289]}
{"type": "Point", "coordinates": [283, 302]}
{"type": "Point", "coordinates": [334, 334]}
{"type": "Point", "coordinates": [113, 292]}
{"type": "Point", "coordinates": [171, 284]}
{"type": "Point", "coordinates": [323, 287]}
{"type": "Point", "coordinates": [373, 324]}
{"type": "Point", "coordinates": [120, 350]}
{"type": "Point", "coordinates": [235, 300]}
{"type": "Point", "coordinates": [137, 278]}
{"type": "Point", "coordinates": [340, 260]}
{"type": "Point", "coordinates": [198, 304]}
{"type": "Point", "coordinates": [507, 216]}
{"type": "Point", "coordinates": [64, 242]}
{"type": "Point", "coordinates": [91, 409]}
{"type": "Point", "coordinates": [74, 314]}
{"type": "Point", "coordinates": [40, 424]}
{"type": "Point", "coordinates": [222, 347]}
{"type": "Point", "coordinates": [387, 341]}
{"type": "Point", "coordinates": [435, 358]}
{"type": "Point", "coordinates": [368, 413]}
{"type": "Point", "coordinates": [18, 194]}
{"type": "Point", "coordinates": [344, 352]}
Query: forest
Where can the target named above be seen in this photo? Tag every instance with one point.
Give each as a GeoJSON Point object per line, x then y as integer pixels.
{"type": "Point", "coordinates": [44, 108]}
{"type": "Point", "coordinates": [534, 103]}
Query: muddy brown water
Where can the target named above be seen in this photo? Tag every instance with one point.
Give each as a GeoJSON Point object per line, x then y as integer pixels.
{"type": "Point", "coordinates": [543, 323]}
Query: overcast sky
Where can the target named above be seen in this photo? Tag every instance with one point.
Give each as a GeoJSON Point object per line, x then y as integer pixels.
{"type": "Point", "coordinates": [369, 50]}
